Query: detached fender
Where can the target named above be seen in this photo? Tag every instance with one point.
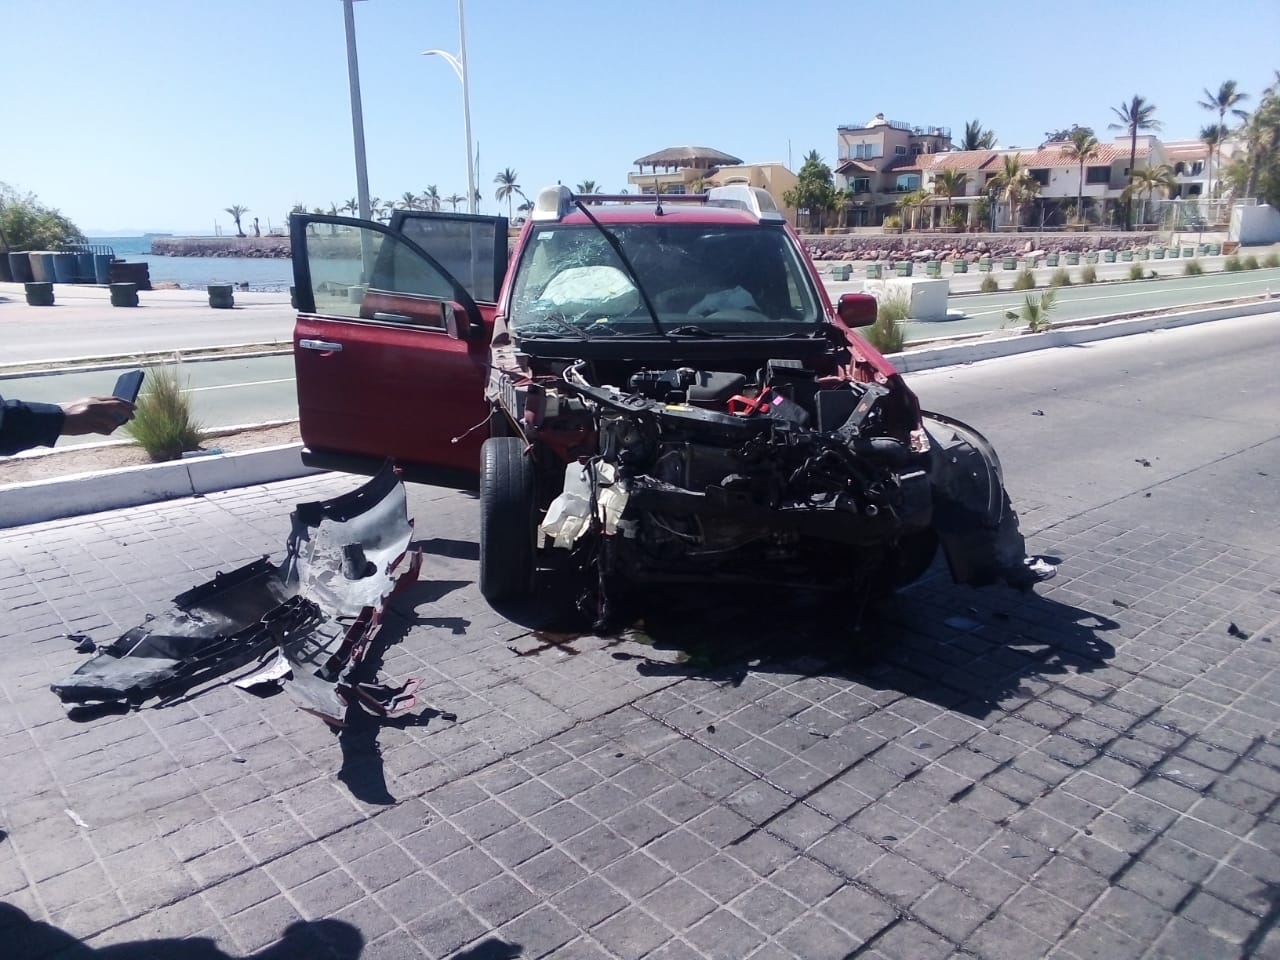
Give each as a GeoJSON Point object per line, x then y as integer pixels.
{"type": "Point", "coordinates": [972, 516]}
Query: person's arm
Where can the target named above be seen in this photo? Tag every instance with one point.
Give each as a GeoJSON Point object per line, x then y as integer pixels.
{"type": "Point", "coordinates": [24, 425]}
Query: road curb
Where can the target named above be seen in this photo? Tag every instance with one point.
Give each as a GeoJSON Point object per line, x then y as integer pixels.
{"type": "Point", "coordinates": [56, 499]}
{"type": "Point", "coordinates": [1099, 328]}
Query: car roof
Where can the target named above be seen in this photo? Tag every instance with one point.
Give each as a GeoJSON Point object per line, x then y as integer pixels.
{"type": "Point", "coordinates": [640, 213]}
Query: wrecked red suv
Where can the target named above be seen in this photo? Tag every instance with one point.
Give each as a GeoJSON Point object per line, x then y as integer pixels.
{"type": "Point", "coordinates": [650, 389]}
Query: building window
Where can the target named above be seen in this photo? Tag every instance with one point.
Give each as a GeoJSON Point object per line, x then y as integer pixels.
{"type": "Point", "coordinates": [675, 188]}
{"type": "Point", "coordinates": [907, 182]}
{"type": "Point", "coordinates": [1097, 175]}
{"type": "Point", "coordinates": [1179, 168]}
{"type": "Point", "coordinates": [1041, 177]}
{"type": "Point", "coordinates": [861, 184]}
{"type": "Point", "coordinates": [917, 149]}
{"type": "Point", "coordinates": [1193, 189]}
{"type": "Point", "coordinates": [899, 151]}
{"type": "Point", "coordinates": [1197, 168]}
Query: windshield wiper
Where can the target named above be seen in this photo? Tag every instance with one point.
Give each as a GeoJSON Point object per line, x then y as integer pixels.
{"type": "Point", "coordinates": [626, 262]}
{"type": "Point", "coordinates": [692, 330]}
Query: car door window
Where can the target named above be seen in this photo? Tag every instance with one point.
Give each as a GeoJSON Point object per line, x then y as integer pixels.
{"type": "Point", "coordinates": [472, 249]}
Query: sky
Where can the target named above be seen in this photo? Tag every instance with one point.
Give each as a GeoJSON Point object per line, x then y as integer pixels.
{"type": "Point", "coordinates": [158, 114]}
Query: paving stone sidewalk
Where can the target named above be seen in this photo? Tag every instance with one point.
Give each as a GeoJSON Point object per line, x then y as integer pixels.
{"type": "Point", "coordinates": [1090, 772]}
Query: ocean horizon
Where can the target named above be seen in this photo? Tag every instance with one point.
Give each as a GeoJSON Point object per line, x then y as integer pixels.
{"type": "Point", "coordinates": [195, 272]}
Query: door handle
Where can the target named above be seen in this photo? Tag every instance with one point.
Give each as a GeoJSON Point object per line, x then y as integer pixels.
{"type": "Point", "coordinates": [324, 346]}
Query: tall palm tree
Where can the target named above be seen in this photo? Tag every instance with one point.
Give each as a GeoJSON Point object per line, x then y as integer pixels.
{"type": "Point", "coordinates": [1135, 115]}
{"type": "Point", "coordinates": [1015, 185]}
{"type": "Point", "coordinates": [237, 211]}
{"type": "Point", "coordinates": [431, 197]}
{"type": "Point", "coordinates": [1148, 180]}
{"type": "Point", "coordinates": [976, 138]}
{"type": "Point", "coordinates": [408, 200]}
{"type": "Point", "coordinates": [1262, 134]}
{"type": "Point", "coordinates": [1082, 148]}
{"type": "Point", "coordinates": [913, 202]}
{"type": "Point", "coordinates": [508, 187]}
{"type": "Point", "coordinates": [587, 186]}
{"type": "Point", "coordinates": [949, 184]}
{"type": "Point", "coordinates": [1225, 100]}
{"type": "Point", "coordinates": [351, 207]}
{"type": "Point", "coordinates": [454, 199]}
{"type": "Point", "coordinates": [1212, 136]}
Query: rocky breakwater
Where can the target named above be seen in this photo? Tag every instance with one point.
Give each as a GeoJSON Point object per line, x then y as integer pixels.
{"type": "Point", "coordinates": [968, 246]}
{"type": "Point", "coordinates": [266, 248]}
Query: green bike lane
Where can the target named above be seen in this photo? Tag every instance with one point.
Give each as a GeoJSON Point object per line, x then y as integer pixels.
{"type": "Point", "coordinates": [984, 313]}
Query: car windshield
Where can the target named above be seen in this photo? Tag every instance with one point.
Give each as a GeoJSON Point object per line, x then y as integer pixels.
{"type": "Point", "coordinates": [711, 279]}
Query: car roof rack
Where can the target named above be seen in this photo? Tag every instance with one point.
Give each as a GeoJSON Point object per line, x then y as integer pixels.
{"type": "Point", "coordinates": [555, 203]}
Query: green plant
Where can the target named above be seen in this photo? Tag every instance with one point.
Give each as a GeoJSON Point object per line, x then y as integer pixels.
{"type": "Point", "coordinates": [1025, 280]}
{"type": "Point", "coordinates": [162, 422]}
{"type": "Point", "coordinates": [1060, 278]}
{"type": "Point", "coordinates": [1089, 274]}
{"type": "Point", "coordinates": [27, 224]}
{"type": "Point", "coordinates": [892, 222]}
{"type": "Point", "coordinates": [1034, 312]}
{"type": "Point", "coordinates": [1271, 260]}
{"type": "Point", "coordinates": [1251, 262]}
{"type": "Point", "coordinates": [989, 284]}
{"type": "Point", "coordinates": [1135, 271]}
{"type": "Point", "coordinates": [1233, 264]}
{"type": "Point", "coordinates": [1193, 268]}
{"type": "Point", "coordinates": [888, 334]}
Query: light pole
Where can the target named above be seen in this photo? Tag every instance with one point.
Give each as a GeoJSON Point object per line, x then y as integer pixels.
{"type": "Point", "coordinates": [459, 64]}
{"type": "Point", "coordinates": [357, 114]}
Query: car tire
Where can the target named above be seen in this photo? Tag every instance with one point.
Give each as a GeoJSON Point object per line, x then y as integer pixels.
{"type": "Point", "coordinates": [508, 511]}
{"type": "Point", "coordinates": [912, 556]}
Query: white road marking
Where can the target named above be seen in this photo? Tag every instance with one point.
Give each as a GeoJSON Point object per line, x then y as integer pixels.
{"type": "Point", "coordinates": [1000, 308]}
{"type": "Point", "coordinates": [235, 386]}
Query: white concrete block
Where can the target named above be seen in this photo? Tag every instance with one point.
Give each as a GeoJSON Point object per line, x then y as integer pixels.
{"type": "Point", "coordinates": [926, 297]}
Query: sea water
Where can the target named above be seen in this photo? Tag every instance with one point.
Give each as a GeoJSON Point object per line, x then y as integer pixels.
{"type": "Point", "coordinates": [197, 272]}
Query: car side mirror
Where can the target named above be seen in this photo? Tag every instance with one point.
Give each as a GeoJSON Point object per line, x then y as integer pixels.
{"type": "Point", "coordinates": [857, 309]}
{"type": "Point", "coordinates": [458, 324]}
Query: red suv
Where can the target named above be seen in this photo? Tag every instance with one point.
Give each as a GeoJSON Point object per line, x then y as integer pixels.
{"type": "Point", "coordinates": [650, 389]}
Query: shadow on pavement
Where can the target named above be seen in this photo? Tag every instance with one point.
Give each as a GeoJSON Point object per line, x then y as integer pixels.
{"type": "Point", "coordinates": [27, 939]}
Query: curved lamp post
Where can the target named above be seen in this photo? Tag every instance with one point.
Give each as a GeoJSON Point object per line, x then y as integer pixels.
{"type": "Point", "coordinates": [459, 65]}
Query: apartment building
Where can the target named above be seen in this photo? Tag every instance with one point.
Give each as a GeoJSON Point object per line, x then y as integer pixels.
{"type": "Point", "coordinates": [882, 159]}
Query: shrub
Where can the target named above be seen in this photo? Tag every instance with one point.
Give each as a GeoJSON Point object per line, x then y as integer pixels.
{"type": "Point", "coordinates": [1271, 260]}
{"type": "Point", "coordinates": [1136, 271]}
{"type": "Point", "coordinates": [1193, 267]}
{"type": "Point", "coordinates": [1025, 280]}
{"type": "Point", "coordinates": [1251, 262]}
{"type": "Point", "coordinates": [1233, 264]}
{"type": "Point", "coordinates": [989, 284]}
{"type": "Point", "coordinates": [162, 423]}
{"type": "Point", "coordinates": [1060, 278]}
{"type": "Point", "coordinates": [1089, 274]}
{"type": "Point", "coordinates": [892, 222]}
{"type": "Point", "coordinates": [888, 334]}
{"type": "Point", "coordinates": [1034, 312]}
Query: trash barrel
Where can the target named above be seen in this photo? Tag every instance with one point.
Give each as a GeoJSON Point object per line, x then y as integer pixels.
{"type": "Point", "coordinates": [933, 268]}
{"type": "Point", "coordinates": [841, 271]}
{"type": "Point", "coordinates": [984, 264]}
{"type": "Point", "coordinates": [1073, 259]}
{"type": "Point", "coordinates": [1108, 256]}
{"type": "Point", "coordinates": [124, 294]}
{"type": "Point", "coordinates": [221, 295]}
{"type": "Point", "coordinates": [1126, 256]}
{"type": "Point", "coordinates": [41, 266]}
{"type": "Point", "coordinates": [20, 267]}
{"type": "Point", "coordinates": [64, 267]}
{"type": "Point", "coordinates": [102, 269]}
{"type": "Point", "coordinates": [1051, 260]}
{"type": "Point", "coordinates": [1188, 251]}
{"type": "Point", "coordinates": [903, 268]}
{"type": "Point", "coordinates": [1157, 253]}
{"type": "Point", "coordinates": [874, 271]}
{"type": "Point", "coordinates": [1172, 252]}
{"type": "Point", "coordinates": [39, 294]}
{"type": "Point", "coordinates": [1009, 263]}
{"type": "Point", "coordinates": [959, 266]}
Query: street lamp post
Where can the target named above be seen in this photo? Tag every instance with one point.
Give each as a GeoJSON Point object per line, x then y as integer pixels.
{"type": "Point", "coordinates": [357, 113]}
{"type": "Point", "coordinates": [459, 65]}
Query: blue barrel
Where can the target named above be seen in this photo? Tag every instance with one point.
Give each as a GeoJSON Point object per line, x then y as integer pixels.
{"type": "Point", "coordinates": [64, 267]}
{"type": "Point", "coordinates": [41, 266]}
{"type": "Point", "coordinates": [84, 267]}
{"type": "Point", "coordinates": [102, 269]}
{"type": "Point", "coordinates": [20, 267]}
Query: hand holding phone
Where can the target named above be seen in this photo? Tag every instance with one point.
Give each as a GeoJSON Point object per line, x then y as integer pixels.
{"type": "Point", "coordinates": [128, 385]}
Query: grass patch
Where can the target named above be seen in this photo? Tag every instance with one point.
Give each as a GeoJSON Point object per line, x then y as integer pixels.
{"type": "Point", "coordinates": [1271, 260]}
{"type": "Point", "coordinates": [1233, 264]}
{"type": "Point", "coordinates": [1136, 271]}
{"type": "Point", "coordinates": [1089, 274]}
{"type": "Point", "coordinates": [162, 422]}
{"type": "Point", "coordinates": [1251, 262]}
{"type": "Point", "coordinates": [888, 334]}
{"type": "Point", "coordinates": [989, 284]}
{"type": "Point", "coordinates": [1060, 278]}
{"type": "Point", "coordinates": [1025, 280]}
{"type": "Point", "coordinates": [1193, 268]}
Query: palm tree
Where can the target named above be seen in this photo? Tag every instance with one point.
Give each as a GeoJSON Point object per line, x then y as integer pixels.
{"type": "Point", "coordinates": [508, 187]}
{"type": "Point", "coordinates": [237, 211]}
{"type": "Point", "coordinates": [1015, 184]}
{"type": "Point", "coordinates": [1212, 136]}
{"type": "Point", "coordinates": [408, 200]}
{"type": "Point", "coordinates": [351, 207]}
{"type": "Point", "coordinates": [949, 184]}
{"type": "Point", "coordinates": [526, 208]}
{"type": "Point", "coordinates": [1148, 180]}
{"type": "Point", "coordinates": [914, 202]}
{"type": "Point", "coordinates": [454, 199]}
{"type": "Point", "coordinates": [587, 186]}
{"type": "Point", "coordinates": [976, 138]}
{"type": "Point", "coordinates": [1135, 115]}
{"type": "Point", "coordinates": [1226, 99]}
{"type": "Point", "coordinates": [431, 197]}
{"type": "Point", "coordinates": [1082, 148]}
{"type": "Point", "coordinates": [1262, 134]}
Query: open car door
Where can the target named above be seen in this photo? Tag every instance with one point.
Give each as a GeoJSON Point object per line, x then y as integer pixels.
{"type": "Point", "coordinates": [391, 345]}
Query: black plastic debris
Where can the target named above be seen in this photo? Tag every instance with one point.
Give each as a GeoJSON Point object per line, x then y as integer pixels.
{"type": "Point", "coordinates": [1236, 632]}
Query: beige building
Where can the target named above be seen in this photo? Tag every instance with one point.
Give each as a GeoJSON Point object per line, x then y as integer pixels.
{"type": "Point", "coordinates": [881, 160]}
{"type": "Point", "coordinates": [679, 170]}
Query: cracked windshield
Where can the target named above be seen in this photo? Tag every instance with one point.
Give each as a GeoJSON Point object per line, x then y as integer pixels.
{"type": "Point", "coordinates": [718, 280]}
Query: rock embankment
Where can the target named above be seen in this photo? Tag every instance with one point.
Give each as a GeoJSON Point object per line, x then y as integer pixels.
{"type": "Point", "coordinates": [253, 247]}
{"type": "Point", "coordinates": [970, 246]}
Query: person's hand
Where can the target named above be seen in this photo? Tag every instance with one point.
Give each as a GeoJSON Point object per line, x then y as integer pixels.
{"type": "Point", "coordinates": [95, 415]}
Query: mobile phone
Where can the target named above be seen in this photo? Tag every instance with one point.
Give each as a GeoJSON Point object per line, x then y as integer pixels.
{"type": "Point", "coordinates": [128, 385]}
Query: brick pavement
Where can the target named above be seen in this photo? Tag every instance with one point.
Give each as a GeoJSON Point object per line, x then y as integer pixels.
{"type": "Point", "coordinates": [1091, 772]}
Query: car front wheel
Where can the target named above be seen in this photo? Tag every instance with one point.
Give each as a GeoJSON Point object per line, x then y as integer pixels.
{"type": "Point", "coordinates": [508, 511]}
